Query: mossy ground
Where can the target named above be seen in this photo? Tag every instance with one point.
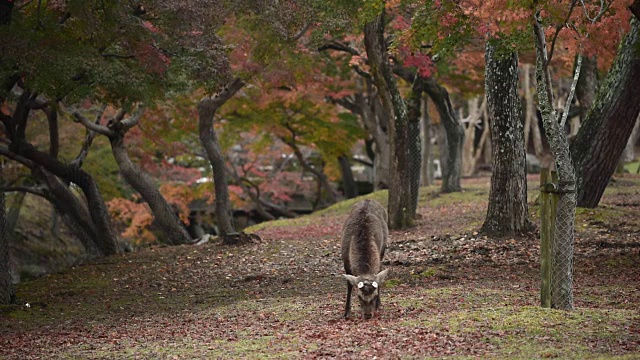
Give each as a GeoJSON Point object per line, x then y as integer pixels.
{"type": "Point", "coordinates": [450, 294]}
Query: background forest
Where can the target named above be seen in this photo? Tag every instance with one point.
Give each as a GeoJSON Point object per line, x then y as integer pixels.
{"type": "Point", "coordinates": [190, 126]}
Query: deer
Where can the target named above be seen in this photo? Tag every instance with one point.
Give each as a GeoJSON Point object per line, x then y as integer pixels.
{"type": "Point", "coordinates": [364, 240]}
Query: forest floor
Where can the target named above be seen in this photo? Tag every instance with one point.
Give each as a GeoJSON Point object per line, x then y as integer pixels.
{"type": "Point", "coordinates": [451, 293]}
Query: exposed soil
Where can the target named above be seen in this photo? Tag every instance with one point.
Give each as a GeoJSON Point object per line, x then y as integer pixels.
{"type": "Point", "coordinates": [452, 292]}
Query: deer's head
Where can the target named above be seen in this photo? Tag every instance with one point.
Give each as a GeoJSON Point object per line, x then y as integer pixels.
{"type": "Point", "coordinates": [368, 290]}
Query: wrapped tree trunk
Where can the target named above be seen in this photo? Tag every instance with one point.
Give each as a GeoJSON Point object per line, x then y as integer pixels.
{"type": "Point", "coordinates": [606, 130]}
{"type": "Point", "coordinates": [562, 258]}
{"type": "Point", "coordinates": [508, 212]}
{"type": "Point", "coordinates": [393, 104]}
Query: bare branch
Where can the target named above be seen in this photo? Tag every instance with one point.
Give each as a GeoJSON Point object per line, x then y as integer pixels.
{"type": "Point", "coordinates": [603, 9]}
{"type": "Point", "coordinates": [27, 189]}
{"type": "Point", "coordinates": [567, 105]}
{"type": "Point", "coordinates": [559, 27]}
{"type": "Point", "coordinates": [339, 46]}
{"type": "Point", "coordinates": [133, 120]}
{"type": "Point", "coordinates": [100, 129]}
{"type": "Point", "coordinates": [301, 32]}
{"type": "Point", "coordinates": [4, 151]}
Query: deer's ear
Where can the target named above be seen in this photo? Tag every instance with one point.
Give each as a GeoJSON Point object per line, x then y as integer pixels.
{"type": "Point", "coordinates": [351, 279]}
{"type": "Point", "coordinates": [381, 276]}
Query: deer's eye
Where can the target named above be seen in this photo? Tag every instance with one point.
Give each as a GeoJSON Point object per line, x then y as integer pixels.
{"type": "Point", "coordinates": [360, 285]}
{"type": "Point", "coordinates": [374, 284]}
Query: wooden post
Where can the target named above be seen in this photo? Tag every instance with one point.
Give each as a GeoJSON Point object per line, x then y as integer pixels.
{"type": "Point", "coordinates": [548, 207]}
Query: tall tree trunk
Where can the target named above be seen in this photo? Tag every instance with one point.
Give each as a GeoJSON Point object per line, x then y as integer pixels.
{"type": "Point", "coordinates": [206, 111]}
{"type": "Point", "coordinates": [172, 228]}
{"type": "Point", "coordinates": [606, 130]}
{"type": "Point", "coordinates": [348, 183]}
{"type": "Point", "coordinates": [629, 153]}
{"type": "Point", "coordinates": [14, 212]}
{"type": "Point", "coordinates": [587, 86]}
{"type": "Point", "coordinates": [392, 102]}
{"type": "Point", "coordinates": [6, 285]}
{"type": "Point", "coordinates": [508, 212]}
{"type": "Point", "coordinates": [427, 153]}
{"type": "Point", "coordinates": [562, 262]}
{"type": "Point", "coordinates": [414, 114]}
{"type": "Point", "coordinates": [451, 173]}
{"type": "Point", "coordinates": [376, 122]}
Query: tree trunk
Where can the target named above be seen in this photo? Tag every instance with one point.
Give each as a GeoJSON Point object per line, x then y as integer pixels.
{"type": "Point", "coordinates": [562, 262]}
{"type": "Point", "coordinates": [508, 212]}
{"type": "Point", "coordinates": [6, 285]}
{"type": "Point", "coordinates": [414, 114]}
{"type": "Point", "coordinates": [206, 111]}
{"type": "Point", "coordinates": [606, 130]}
{"type": "Point", "coordinates": [348, 183]}
{"type": "Point", "coordinates": [587, 86]}
{"type": "Point", "coordinates": [629, 153]}
{"type": "Point", "coordinates": [376, 122]}
{"type": "Point", "coordinates": [451, 173]}
{"type": "Point", "coordinates": [443, 149]}
{"type": "Point", "coordinates": [393, 104]}
{"type": "Point", "coordinates": [172, 228]}
{"type": "Point", "coordinates": [14, 212]}
{"type": "Point", "coordinates": [427, 153]}
{"type": "Point", "coordinates": [105, 236]}
{"type": "Point", "coordinates": [74, 213]}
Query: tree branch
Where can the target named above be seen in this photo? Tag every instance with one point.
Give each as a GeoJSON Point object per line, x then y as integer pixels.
{"type": "Point", "coordinates": [88, 140]}
{"type": "Point", "coordinates": [133, 120]}
{"type": "Point", "coordinates": [27, 189]}
{"type": "Point", "coordinates": [4, 151]}
{"type": "Point", "coordinates": [91, 126]}
{"type": "Point", "coordinates": [572, 91]}
{"type": "Point", "coordinates": [558, 28]}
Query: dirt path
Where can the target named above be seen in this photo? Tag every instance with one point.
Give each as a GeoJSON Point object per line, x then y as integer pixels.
{"type": "Point", "coordinates": [452, 292]}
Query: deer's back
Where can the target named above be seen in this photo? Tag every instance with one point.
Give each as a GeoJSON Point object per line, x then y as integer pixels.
{"type": "Point", "coordinates": [364, 237]}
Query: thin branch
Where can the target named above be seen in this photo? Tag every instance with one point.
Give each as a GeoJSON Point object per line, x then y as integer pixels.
{"type": "Point", "coordinates": [541, 41]}
{"type": "Point", "coordinates": [133, 120]}
{"type": "Point", "coordinates": [558, 28]}
{"type": "Point", "coordinates": [4, 151]}
{"type": "Point", "coordinates": [100, 129]}
{"type": "Point", "coordinates": [27, 189]}
{"type": "Point", "coordinates": [603, 9]}
{"type": "Point", "coordinates": [567, 105]}
{"type": "Point", "coordinates": [88, 140]}
{"type": "Point", "coordinates": [339, 46]}
{"type": "Point", "coordinates": [117, 56]}
{"type": "Point", "coordinates": [301, 32]}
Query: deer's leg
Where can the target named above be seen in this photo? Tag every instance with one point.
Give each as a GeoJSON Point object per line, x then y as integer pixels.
{"type": "Point", "coordinates": [347, 306]}
{"type": "Point", "coordinates": [378, 300]}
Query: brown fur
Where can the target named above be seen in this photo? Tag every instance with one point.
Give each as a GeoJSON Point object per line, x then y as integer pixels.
{"type": "Point", "coordinates": [364, 239]}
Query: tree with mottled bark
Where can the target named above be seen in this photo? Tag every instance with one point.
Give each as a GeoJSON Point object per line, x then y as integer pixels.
{"type": "Point", "coordinates": [507, 212]}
